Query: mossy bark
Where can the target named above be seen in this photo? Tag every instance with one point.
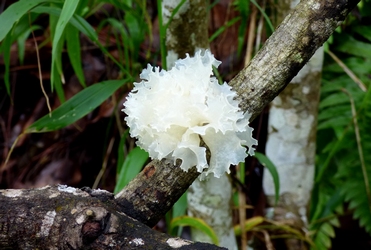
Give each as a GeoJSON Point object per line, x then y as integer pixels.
{"type": "Point", "coordinates": [187, 31]}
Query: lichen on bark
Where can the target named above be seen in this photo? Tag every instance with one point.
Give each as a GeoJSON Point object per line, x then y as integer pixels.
{"type": "Point", "coordinates": [187, 31]}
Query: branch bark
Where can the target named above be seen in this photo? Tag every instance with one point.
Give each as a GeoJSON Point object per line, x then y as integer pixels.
{"type": "Point", "coordinates": [62, 217]}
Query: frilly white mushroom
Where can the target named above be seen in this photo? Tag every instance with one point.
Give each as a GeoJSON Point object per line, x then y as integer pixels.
{"type": "Point", "coordinates": [170, 111]}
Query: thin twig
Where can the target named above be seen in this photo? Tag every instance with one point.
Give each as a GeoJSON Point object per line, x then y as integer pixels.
{"type": "Point", "coordinates": [360, 149]}
{"type": "Point", "coordinates": [104, 165]}
{"type": "Point", "coordinates": [251, 36]}
{"type": "Point", "coordinates": [350, 73]}
{"type": "Point", "coordinates": [39, 67]}
{"type": "Point", "coordinates": [259, 29]}
{"type": "Point", "coordinates": [267, 239]}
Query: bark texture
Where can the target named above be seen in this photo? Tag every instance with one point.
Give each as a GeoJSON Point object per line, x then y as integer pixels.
{"type": "Point", "coordinates": [187, 31]}
{"type": "Point", "coordinates": [63, 217]}
{"type": "Point", "coordinates": [211, 201]}
{"type": "Point", "coordinates": [291, 143]}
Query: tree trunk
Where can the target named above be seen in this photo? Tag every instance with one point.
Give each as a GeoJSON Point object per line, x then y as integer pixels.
{"type": "Point", "coordinates": [291, 143]}
{"type": "Point", "coordinates": [211, 201]}
{"type": "Point", "coordinates": [188, 32]}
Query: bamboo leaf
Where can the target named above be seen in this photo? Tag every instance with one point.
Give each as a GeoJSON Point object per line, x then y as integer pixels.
{"type": "Point", "coordinates": [68, 10]}
{"type": "Point", "coordinates": [14, 12]}
{"type": "Point", "coordinates": [132, 165]}
{"type": "Point", "coordinates": [76, 107]}
{"type": "Point", "coordinates": [248, 225]}
{"type": "Point", "coordinates": [74, 53]}
{"type": "Point", "coordinates": [264, 160]}
{"type": "Point", "coordinates": [77, 21]}
{"type": "Point", "coordinates": [196, 223]}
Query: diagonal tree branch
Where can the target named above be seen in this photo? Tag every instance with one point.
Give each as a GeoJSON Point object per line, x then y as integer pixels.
{"type": "Point", "coordinates": [148, 197]}
{"type": "Point", "coordinates": [289, 48]}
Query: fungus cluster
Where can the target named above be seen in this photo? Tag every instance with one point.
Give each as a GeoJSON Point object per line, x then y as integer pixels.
{"type": "Point", "coordinates": [169, 112]}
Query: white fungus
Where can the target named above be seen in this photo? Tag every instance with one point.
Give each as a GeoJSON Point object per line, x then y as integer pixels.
{"type": "Point", "coordinates": [170, 111]}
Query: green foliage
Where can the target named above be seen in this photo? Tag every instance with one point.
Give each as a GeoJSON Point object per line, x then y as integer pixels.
{"type": "Point", "coordinates": [196, 223]}
{"type": "Point", "coordinates": [343, 166]}
{"type": "Point", "coordinates": [75, 108]}
{"type": "Point", "coordinates": [244, 8]}
{"type": "Point", "coordinates": [268, 164]}
{"type": "Point", "coordinates": [68, 10]}
{"type": "Point", "coordinates": [130, 167]}
{"type": "Point", "coordinates": [67, 21]}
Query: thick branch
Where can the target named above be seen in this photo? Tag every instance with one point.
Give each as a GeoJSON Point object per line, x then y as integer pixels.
{"type": "Point", "coordinates": [289, 48]}
{"type": "Point", "coordinates": [284, 54]}
{"type": "Point", "coordinates": [154, 191]}
{"type": "Point", "coordinates": [67, 218]}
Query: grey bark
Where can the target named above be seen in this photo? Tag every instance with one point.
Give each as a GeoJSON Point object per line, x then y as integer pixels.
{"type": "Point", "coordinates": [291, 143]}
{"type": "Point", "coordinates": [154, 191]}
{"type": "Point", "coordinates": [62, 217]}
{"type": "Point", "coordinates": [187, 31]}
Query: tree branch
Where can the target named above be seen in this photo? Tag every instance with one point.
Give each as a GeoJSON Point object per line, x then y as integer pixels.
{"type": "Point", "coordinates": [288, 49]}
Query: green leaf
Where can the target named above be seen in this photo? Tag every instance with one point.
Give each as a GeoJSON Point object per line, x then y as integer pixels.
{"type": "Point", "coordinates": [223, 28]}
{"type": "Point", "coordinates": [339, 121]}
{"type": "Point", "coordinates": [75, 108]}
{"type": "Point", "coordinates": [270, 25]}
{"type": "Point", "coordinates": [74, 53]}
{"type": "Point", "coordinates": [13, 13]}
{"type": "Point", "coordinates": [244, 8]}
{"type": "Point", "coordinates": [324, 239]}
{"type": "Point", "coordinates": [354, 47]}
{"type": "Point", "coordinates": [68, 10]}
{"type": "Point", "coordinates": [249, 224]}
{"type": "Point", "coordinates": [327, 229]}
{"type": "Point", "coordinates": [77, 21]}
{"type": "Point", "coordinates": [121, 151]}
{"type": "Point", "coordinates": [334, 99]}
{"type": "Point", "coordinates": [21, 40]}
{"type": "Point", "coordinates": [5, 47]}
{"type": "Point", "coordinates": [132, 165]}
{"type": "Point", "coordinates": [195, 223]}
{"type": "Point", "coordinates": [264, 160]}
{"type": "Point", "coordinates": [180, 207]}
{"type": "Point", "coordinates": [364, 31]}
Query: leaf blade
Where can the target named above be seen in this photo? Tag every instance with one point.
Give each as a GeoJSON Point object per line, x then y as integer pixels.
{"type": "Point", "coordinates": [132, 165]}
{"type": "Point", "coordinates": [264, 160]}
{"type": "Point", "coordinates": [74, 108]}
